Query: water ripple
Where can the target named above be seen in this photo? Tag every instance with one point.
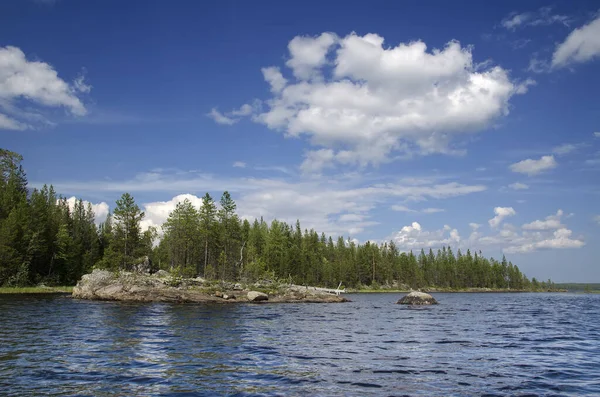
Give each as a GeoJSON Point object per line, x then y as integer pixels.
{"type": "Point", "coordinates": [471, 344]}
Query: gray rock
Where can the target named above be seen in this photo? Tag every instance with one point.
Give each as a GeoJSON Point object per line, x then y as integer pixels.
{"type": "Point", "coordinates": [144, 267]}
{"type": "Point", "coordinates": [417, 298]}
{"type": "Point", "coordinates": [255, 296]}
{"type": "Point", "coordinates": [228, 297]}
{"type": "Point", "coordinates": [162, 274]}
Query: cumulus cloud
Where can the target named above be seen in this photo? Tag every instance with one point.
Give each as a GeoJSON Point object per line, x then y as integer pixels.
{"type": "Point", "coordinates": [308, 54]}
{"type": "Point", "coordinates": [239, 164]}
{"type": "Point", "coordinates": [510, 239]}
{"type": "Point", "coordinates": [518, 186]}
{"type": "Point", "coordinates": [100, 209]}
{"type": "Point", "coordinates": [413, 237]}
{"type": "Point", "coordinates": [532, 167]}
{"type": "Point", "coordinates": [533, 236]}
{"type": "Point", "coordinates": [156, 213]}
{"type": "Point", "coordinates": [582, 45]}
{"type": "Point", "coordinates": [361, 101]}
{"type": "Point", "coordinates": [541, 17]}
{"type": "Point", "coordinates": [596, 134]}
{"type": "Point", "coordinates": [35, 82]}
{"type": "Point", "coordinates": [597, 219]}
{"type": "Point", "coordinates": [501, 214]}
{"type": "Point", "coordinates": [560, 239]}
{"type": "Point", "coordinates": [550, 223]}
{"type": "Point", "coordinates": [273, 76]}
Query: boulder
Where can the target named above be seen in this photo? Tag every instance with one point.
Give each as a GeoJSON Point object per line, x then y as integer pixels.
{"type": "Point", "coordinates": [162, 274]}
{"type": "Point", "coordinates": [255, 296]}
{"type": "Point", "coordinates": [144, 266]}
{"type": "Point", "coordinates": [417, 298]}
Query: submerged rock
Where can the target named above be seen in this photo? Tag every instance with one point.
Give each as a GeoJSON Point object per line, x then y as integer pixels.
{"type": "Point", "coordinates": [417, 298]}
{"type": "Point", "coordinates": [255, 296]}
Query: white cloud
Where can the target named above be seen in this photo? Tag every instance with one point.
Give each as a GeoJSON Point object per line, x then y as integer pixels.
{"type": "Point", "coordinates": [362, 101]}
{"type": "Point", "coordinates": [541, 17]}
{"type": "Point", "coordinates": [413, 237]}
{"type": "Point", "coordinates": [560, 239]}
{"type": "Point", "coordinates": [402, 208]}
{"type": "Point", "coordinates": [244, 110]}
{"type": "Point", "coordinates": [597, 219]}
{"type": "Point", "coordinates": [582, 45]}
{"type": "Point", "coordinates": [80, 85]}
{"type": "Point", "coordinates": [308, 54]}
{"type": "Point", "coordinates": [432, 210]}
{"type": "Point", "coordinates": [533, 167]}
{"type": "Point", "coordinates": [220, 118]}
{"type": "Point", "coordinates": [35, 82]}
{"type": "Point", "coordinates": [7, 123]}
{"type": "Point", "coordinates": [550, 223]}
{"type": "Point", "coordinates": [239, 164]}
{"type": "Point", "coordinates": [100, 209]}
{"type": "Point", "coordinates": [474, 225]}
{"type": "Point", "coordinates": [156, 213]}
{"type": "Point", "coordinates": [537, 65]}
{"type": "Point", "coordinates": [533, 236]}
{"type": "Point", "coordinates": [566, 148]}
{"type": "Point", "coordinates": [501, 214]}
{"type": "Point", "coordinates": [273, 76]}
{"type": "Point", "coordinates": [518, 186]}
{"type": "Point", "coordinates": [597, 134]}
{"type": "Point", "coordinates": [316, 160]}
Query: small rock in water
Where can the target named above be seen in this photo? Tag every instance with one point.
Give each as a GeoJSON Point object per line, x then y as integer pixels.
{"type": "Point", "coordinates": [255, 296]}
{"type": "Point", "coordinates": [417, 298]}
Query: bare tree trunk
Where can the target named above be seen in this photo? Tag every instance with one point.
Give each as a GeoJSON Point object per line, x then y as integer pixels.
{"type": "Point", "coordinates": [241, 264]}
{"type": "Point", "coordinates": [205, 255]}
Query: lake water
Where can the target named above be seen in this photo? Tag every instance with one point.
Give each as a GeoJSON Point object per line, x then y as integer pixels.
{"type": "Point", "coordinates": [470, 344]}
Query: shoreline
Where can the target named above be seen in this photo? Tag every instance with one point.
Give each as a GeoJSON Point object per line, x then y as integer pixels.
{"type": "Point", "coordinates": [36, 290]}
{"type": "Point", "coordinates": [453, 291]}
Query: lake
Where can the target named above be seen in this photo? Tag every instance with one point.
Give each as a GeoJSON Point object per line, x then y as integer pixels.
{"type": "Point", "coordinates": [470, 344]}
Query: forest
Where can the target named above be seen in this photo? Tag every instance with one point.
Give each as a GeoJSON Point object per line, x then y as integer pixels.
{"type": "Point", "coordinates": [43, 239]}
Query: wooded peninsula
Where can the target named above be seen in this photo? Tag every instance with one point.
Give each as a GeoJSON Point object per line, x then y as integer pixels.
{"type": "Point", "coordinates": [45, 240]}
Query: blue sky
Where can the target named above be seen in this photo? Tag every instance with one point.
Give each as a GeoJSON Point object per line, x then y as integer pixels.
{"type": "Point", "coordinates": [423, 122]}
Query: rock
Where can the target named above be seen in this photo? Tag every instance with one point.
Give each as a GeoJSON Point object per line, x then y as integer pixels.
{"type": "Point", "coordinates": [255, 296]}
{"type": "Point", "coordinates": [417, 298]}
{"type": "Point", "coordinates": [237, 287]}
{"type": "Point", "coordinates": [144, 267]}
{"type": "Point", "coordinates": [162, 274]}
{"type": "Point", "coordinates": [163, 287]}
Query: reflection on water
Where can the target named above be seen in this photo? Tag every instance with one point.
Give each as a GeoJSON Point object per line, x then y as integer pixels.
{"type": "Point", "coordinates": [471, 344]}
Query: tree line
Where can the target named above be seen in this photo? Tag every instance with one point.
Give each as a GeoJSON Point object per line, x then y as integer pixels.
{"type": "Point", "coordinates": [44, 240]}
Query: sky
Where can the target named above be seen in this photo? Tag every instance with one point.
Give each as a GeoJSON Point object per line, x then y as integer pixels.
{"type": "Point", "coordinates": [431, 123]}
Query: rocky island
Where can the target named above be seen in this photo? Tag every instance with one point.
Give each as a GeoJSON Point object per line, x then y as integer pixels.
{"type": "Point", "coordinates": [165, 287]}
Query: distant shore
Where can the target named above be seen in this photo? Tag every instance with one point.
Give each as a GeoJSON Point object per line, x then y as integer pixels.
{"type": "Point", "coordinates": [449, 290]}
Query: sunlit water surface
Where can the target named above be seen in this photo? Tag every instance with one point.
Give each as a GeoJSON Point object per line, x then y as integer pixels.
{"type": "Point", "coordinates": [470, 344]}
